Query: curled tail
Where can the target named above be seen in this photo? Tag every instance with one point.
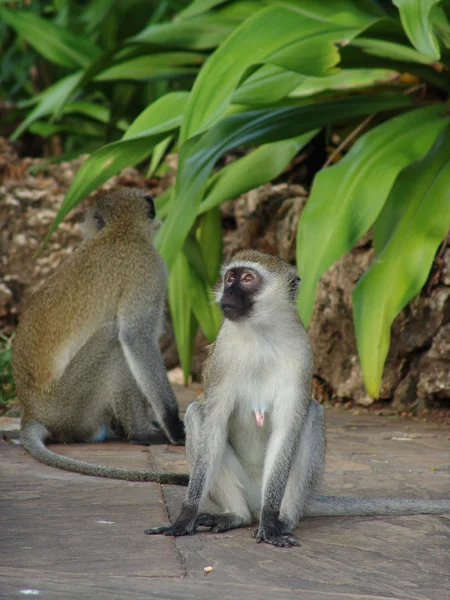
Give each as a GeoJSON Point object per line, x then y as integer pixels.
{"type": "Point", "coordinates": [339, 506]}
{"type": "Point", "coordinates": [33, 434]}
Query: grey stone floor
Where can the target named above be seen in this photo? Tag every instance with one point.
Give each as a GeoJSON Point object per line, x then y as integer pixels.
{"type": "Point", "coordinates": [67, 536]}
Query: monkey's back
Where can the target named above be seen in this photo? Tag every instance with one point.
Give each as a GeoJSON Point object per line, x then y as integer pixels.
{"type": "Point", "coordinates": [81, 296]}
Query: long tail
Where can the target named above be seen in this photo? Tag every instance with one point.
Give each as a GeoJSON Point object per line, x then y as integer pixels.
{"type": "Point", "coordinates": [340, 506]}
{"type": "Point", "coordinates": [33, 434]}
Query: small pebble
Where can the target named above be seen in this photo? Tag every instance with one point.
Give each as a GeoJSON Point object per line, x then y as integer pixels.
{"type": "Point", "coordinates": [207, 570]}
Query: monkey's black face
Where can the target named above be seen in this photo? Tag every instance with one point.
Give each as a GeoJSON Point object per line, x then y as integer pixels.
{"type": "Point", "coordinates": [239, 289]}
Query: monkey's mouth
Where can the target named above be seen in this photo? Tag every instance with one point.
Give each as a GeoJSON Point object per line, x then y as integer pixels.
{"type": "Point", "coordinates": [232, 312]}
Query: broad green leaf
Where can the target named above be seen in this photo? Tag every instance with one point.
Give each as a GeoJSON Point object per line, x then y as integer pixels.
{"type": "Point", "coordinates": [147, 130]}
{"type": "Point", "coordinates": [199, 6]}
{"type": "Point", "coordinates": [209, 235]}
{"type": "Point", "coordinates": [75, 127]}
{"type": "Point", "coordinates": [168, 109]}
{"type": "Point", "coordinates": [198, 155]}
{"type": "Point", "coordinates": [270, 84]}
{"type": "Point", "coordinates": [347, 79]}
{"type": "Point", "coordinates": [390, 50]}
{"type": "Point", "coordinates": [285, 33]}
{"type": "Point", "coordinates": [158, 154]}
{"type": "Point", "coordinates": [153, 66]}
{"type": "Point", "coordinates": [49, 100]}
{"type": "Point", "coordinates": [198, 33]}
{"type": "Point", "coordinates": [252, 170]}
{"type": "Point", "coordinates": [200, 301]}
{"type": "Point", "coordinates": [266, 85]}
{"type": "Point", "coordinates": [94, 111]}
{"type": "Point", "coordinates": [416, 20]}
{"type": "Point", "coordinates": [346, 198]}
{"type": "Point", "coordinates": [57, 44]}
{"type": "Point", "coordinates": [353, 57]}
{"type": "Point", "coordinates": [347, 13]}
{"type": "Point", "coordinates": [417, 216]}
{"type": "Point", "coordinates": [180, 309]}
{"type": "Point", "coordinates": [441, 25]}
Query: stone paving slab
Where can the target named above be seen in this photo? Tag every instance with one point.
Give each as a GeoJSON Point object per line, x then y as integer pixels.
{"type": "Point", "coordinates": [67, 536]}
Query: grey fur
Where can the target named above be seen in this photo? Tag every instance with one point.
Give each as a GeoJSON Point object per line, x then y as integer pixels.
{"type": "Point", "coordinates": [241, 472]}
{"type": "Point", "coordinates": [86, 354]}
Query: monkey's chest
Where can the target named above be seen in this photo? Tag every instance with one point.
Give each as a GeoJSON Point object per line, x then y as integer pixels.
{"type": "Point", "coordinates": [248, 440]}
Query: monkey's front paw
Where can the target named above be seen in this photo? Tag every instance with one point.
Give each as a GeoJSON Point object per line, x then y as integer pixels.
{"type": "Point", "coordinates": [275, 537]}
{"type": "Point", "coordinates": [182, 527]}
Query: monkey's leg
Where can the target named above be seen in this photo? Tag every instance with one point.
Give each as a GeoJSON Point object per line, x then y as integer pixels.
{"type": "Point", "coordinates": [307, 470]}
{"type": "Point", "coordinates": [225, 506]}
{"type": "Point", "coordinates": [131, 414]}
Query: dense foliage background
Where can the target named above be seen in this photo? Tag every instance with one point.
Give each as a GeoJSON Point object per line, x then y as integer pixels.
{"type": "Point", "coordinates": [129, 81]}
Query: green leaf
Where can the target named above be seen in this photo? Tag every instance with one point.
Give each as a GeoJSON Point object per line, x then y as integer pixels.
{"type": "Point", "coordinates": [286, 33]}
{"type": "Point", "coordinates": [153, 66]}
{"type": "Point", "coordinates": [200, 301]}
{"type": "Point", "coordinates": [199, 6]}
{"type": "Point", "coordinates": [50, 100]}
{"type": "Point", "coordinates": [57, 44]}
{"type": "Point", "coordinates": [180, 309]}
{"type": "Point", "coordinates": [415, 220]}
{"type": "Point", "coordinates": [198, 155]}
{"type": "Point", "coordinates": [147, 130]}
{"type": "Point", "coordinates": [209, 235]}
{"type": "Point", "coordinates": [417, 23]}
{"type": "Point", "coordinates": [252, 170]}
{"type": "Point", "coordinates": [347, 79]}
{"type": "Point", "coordinates": [390, 50]}
{"type": "Point", "coordinates": [200, 32]}
{"type": "Point", "coordinates": [168, 109]}
{"type": "Point", "coordinates": [266, 85]}
{"type": "Point", "coordinates": [346, 198]}
{"type": "Point", "coordinates": [158, 154]}
{"type": "Point", "coordinates": [347, 13]}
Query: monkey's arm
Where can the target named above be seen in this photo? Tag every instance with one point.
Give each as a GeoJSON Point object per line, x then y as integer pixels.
{"type": "Point", "coordinates": [209, 457]}
{"type": "Point", "coordinates": [140, 347]}
{"type": "Point", "coordinates": [278, 463]}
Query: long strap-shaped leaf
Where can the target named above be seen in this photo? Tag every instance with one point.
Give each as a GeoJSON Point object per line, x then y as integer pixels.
{"type": "Point", "coordinates": [417, 214]}
{"type": "Point", "coordinates": [274, 34]}
{"type": "Point", "coordinates": [54, 42]}
{"type": "Point", "coordinates": [346, 198]}
{"type": "Point", "coordinates": [416, 20]}
{"type": "Point", "coordinates": [199, 154]}
{"type": "Point", "coordinates": [147, 130]}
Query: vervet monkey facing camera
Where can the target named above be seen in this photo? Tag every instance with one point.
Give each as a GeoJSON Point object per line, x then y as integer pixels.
{"type": "Point", "coordinates": [256, 445]}
{"type": "Point", "coordinates": [86, 354]}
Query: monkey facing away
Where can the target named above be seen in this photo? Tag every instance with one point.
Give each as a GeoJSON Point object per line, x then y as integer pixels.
{"type": "Point", "coordinates": [86, 356]}
{"type": "Point", "coordinates": [256, 445]}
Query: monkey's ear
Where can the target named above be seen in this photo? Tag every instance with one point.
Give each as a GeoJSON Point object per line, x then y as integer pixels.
{"type": "Point", "coordinates": [99, 220]}
{"type": "Point", "coordinates": [151, 206]}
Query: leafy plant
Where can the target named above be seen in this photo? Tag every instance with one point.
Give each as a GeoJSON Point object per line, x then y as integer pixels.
{"type": "Point", "coordinates": [7, 387]}
{"type": "Point", "coordinates": [281, 71]}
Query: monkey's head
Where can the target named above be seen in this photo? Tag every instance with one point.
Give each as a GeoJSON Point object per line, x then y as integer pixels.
{"type": "Point", "coordinates": [131, 206]}
{"type": "Point", "coordinates": [255, 284]}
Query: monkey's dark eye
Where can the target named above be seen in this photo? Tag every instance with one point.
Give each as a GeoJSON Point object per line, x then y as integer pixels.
{"type": "Point", "coordinates": [99, 221]}
{"type": "Point", "coordinates": [230, 277]}
{"type": "Point", "coordinates": [151, 206]}
{"type": "Point", "coordinates": [248, 277]}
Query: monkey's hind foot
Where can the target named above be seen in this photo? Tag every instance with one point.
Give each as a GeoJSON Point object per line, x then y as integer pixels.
{"type": "Point", "coordinates": [180, 527]}
{"type": "Point", "coordinates": [271, 535]}
{"type": "Point", "coordinates": [219, 523]}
